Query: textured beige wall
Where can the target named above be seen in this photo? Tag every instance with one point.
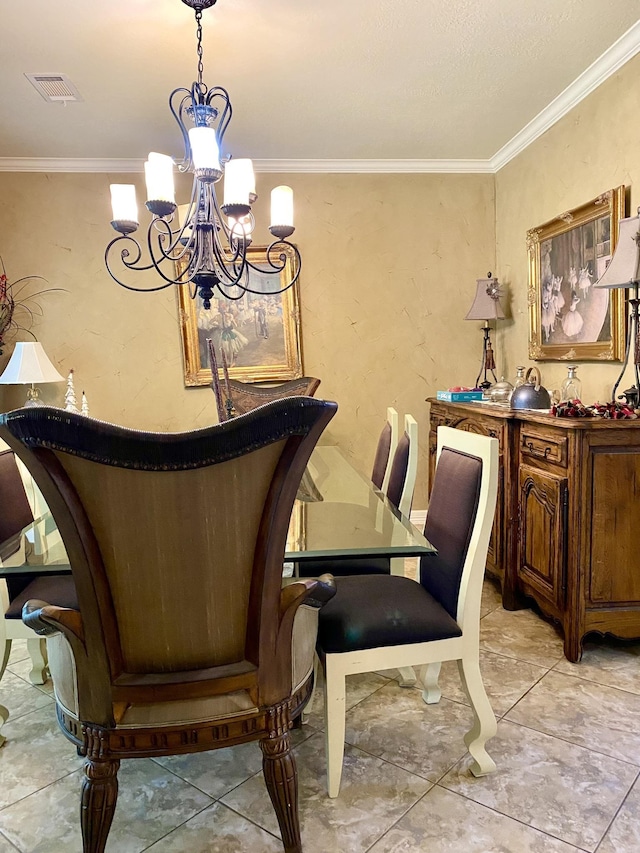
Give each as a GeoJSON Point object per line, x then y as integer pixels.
{"type": "Point", "coordinates": [592, 149]}
{"type": "Point", "coordinates": [389, 269]}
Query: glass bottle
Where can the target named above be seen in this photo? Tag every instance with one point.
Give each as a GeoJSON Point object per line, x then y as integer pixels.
{"type": "Point", "coordinates": [572, 386]}
{"type": "Point", "coordinates": [519, 380]}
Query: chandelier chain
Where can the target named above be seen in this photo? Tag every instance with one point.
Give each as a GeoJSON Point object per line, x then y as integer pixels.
{"type": "Point", "coordinates": [199, 37]}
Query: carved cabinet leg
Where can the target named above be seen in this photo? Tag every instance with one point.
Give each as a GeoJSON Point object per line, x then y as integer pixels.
{"type": "Point", "coordinates": [281, 778]}
{"type": "Point", "coordinates": [572, 642]}
{"type": "Point", "coordinates": [99, 795]}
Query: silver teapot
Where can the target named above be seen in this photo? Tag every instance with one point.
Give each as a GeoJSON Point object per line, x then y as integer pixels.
{"type": "Point", "coordinates": [531, 394]}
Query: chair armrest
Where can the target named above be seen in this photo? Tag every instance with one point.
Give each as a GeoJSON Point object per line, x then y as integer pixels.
{"type": "Point", "coordinates": [314, 592]}
{"type": "Point", "coordinates": [48, 619]}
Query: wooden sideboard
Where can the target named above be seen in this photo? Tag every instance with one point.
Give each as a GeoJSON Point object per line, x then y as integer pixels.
{"type": "Point", "coordinates": [565, 529]}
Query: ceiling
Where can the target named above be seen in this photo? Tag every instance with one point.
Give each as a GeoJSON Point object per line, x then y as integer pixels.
{"type": "Point", "coordinates": [337, 80]}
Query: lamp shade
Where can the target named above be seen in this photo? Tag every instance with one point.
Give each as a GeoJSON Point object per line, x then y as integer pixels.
{"type": "Point", "coordinates": [29, 364]}
{"type": "Point", "coordinates": [485, 305]}
{"type": "Point", "coordinates": [623, 269]}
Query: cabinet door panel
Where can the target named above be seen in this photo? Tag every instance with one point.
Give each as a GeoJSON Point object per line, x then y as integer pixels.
{"type": "Point", "coordinates": [542, 533]}
{"type": "Point", "coordinates": [615, 489]}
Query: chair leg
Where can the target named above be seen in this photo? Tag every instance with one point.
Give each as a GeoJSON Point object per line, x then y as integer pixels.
{"type": "Point", "coordinates": [98, 802]}
{"type": "Point", "coordinates": [429, 674]}
{"type": "Point", "coordinates": [407, 676]}
{"type": "Point", "coordinates": [4, 660]}
{"type": "Point", "coordinates": [484, 726]}
{"type": "Point", "coordinates": [38, 654]}
{"type": "Point", "coordinates": [281, 779]}
{"type": "Point", "coordinates": [4, 716]}
{"type": "Point", "coordinates": [335, 724]}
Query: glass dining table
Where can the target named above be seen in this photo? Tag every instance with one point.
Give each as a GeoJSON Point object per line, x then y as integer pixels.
{"type": "Point", "coordinates": [338, 514]}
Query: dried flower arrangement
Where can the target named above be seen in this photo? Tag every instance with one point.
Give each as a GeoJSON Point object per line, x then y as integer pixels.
{"type": "Point", "coordinates": [17, 311]}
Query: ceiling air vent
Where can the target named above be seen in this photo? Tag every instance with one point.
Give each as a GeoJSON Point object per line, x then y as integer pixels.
{"type": "Point", "coordinates": [54, 87]}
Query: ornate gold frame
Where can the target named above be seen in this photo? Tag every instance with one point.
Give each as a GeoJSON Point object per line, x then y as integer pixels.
{"type": "Point", "coordinates": [611, 203]}
{"type": "Point", "coordinates": [197, 371]}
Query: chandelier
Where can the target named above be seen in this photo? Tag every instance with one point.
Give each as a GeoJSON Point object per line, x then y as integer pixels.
{"type": "Point", "coordinates": [202, 244]}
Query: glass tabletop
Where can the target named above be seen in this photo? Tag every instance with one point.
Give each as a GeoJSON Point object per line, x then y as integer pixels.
{"type": "Point", "coordinates": [338, 513]}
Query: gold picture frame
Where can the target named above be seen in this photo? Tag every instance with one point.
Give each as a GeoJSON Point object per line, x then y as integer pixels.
{"type": "Point", "coordinates": [568, 319]}
{"type": "Point", "coordinates": [263, 328]}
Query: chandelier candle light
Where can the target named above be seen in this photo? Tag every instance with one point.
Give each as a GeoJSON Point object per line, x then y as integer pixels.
{"type": "Point", "coordinates": [210, 239]}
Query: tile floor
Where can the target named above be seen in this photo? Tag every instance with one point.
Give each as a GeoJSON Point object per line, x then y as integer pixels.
{"type": "Point", "coordinates": [567, 749]}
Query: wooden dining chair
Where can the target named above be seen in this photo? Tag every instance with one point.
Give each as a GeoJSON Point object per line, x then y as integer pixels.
{"type": "Point", "coordinates": [379, 622]}
{"type": "Point", "coordinates": [246, 396]}
{"type": "Point", "coordinates": [183, 639]}
{"type": "Point", "coordinates": [16, 513]}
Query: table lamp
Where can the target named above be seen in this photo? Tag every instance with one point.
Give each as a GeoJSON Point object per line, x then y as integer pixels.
{"type": "Point", "coordinates": [29, 364]}
{"type": "Point", "coordinates": [486, 306]}
{"type": "Point", "coordinates": [624, 272]}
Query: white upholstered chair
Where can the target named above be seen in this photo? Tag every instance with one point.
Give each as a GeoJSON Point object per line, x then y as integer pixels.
{"type": "Point", "coordinates": [384, 621]}
{"type": "Point", "coordinates": [387, 443]}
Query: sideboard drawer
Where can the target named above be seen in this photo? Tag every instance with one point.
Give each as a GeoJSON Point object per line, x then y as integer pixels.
{"type": "Point", "coordinates": [545, 446]}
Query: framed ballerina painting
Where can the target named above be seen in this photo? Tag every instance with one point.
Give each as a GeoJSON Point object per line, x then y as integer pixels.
{"type": "Point", "coordinates": [257, 335]}
{"type": "Point", "coordinates": [568, 318]}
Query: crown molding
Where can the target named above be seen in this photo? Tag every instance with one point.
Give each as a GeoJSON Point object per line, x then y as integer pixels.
{"type": "Point", "coordinates": [63, 164]}
{"type": "Point", "coordinates": [372, 166]}
{"type": "Point", "coordinates": [620, 52]}
{"type": "Point", "coordinates": [35, 164]}
{"type": "Point", "coordinates": [627, 46]}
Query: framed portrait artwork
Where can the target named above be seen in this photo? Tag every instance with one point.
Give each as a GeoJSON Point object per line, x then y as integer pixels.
{"type": "Point", "coordinates": [259, 332]}
{"type": "Point", "coordinates": [568, 318]}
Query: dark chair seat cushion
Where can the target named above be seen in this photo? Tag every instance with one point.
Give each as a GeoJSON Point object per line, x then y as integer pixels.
{"type": "Point", "coordinates": [370, 611]}
{"type": "Point", "coordinates": [344, 567]}
{"type": "Point", "coordinates": [54, 589]}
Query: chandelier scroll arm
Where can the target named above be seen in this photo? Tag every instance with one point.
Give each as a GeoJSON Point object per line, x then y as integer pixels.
{"type": "Point", "coordinates": [130, 265]}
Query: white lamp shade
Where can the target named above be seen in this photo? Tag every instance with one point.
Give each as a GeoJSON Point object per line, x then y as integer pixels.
{"type": "Point", "coordinates": [282, 206]}
{"type": "Point", "coordinates": [205, 152]}
{"type": "Point", "coordinates": [123, 203]}
{"type": "Point", "coordinates": [158, 173]}
{"type": "Point", "coordinates": [485, 307]}
{"type": "Point", "coordinates": [239, 181]}
{"type": "Point", "coordinates": [623, 267]}
{"type": "Point", "coordinates": [29, 364]}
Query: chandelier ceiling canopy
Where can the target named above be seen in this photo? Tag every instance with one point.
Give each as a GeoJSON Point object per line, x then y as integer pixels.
{"type": "Point", "coordinates": [202, 244]}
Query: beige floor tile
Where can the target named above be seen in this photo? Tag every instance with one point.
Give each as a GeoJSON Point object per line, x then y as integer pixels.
{"type": "Point", "coordinates": [506, 680]}
{"type": "Point", "coordinates": [218, 830]}
{"type": "Point", "coordinates": [18, 651]}
{"type": "Point", "coordinates": [397, 726]}
{"type": "Point", "coordinates": [523, 635]}
{"type": "Point", "coordinates": [623, 836]}
{"type": "Point", "coordinates": [151, 802]}
{"type": "Point", "coordinates": [22, 668]}
{"type": "Point", "coordinates": [491, 597]}
{"type": "Point", "coordinates": [607, 662]}
{"type": "Point", "coordinates": [443, 822]}
{"type": "Point", "coordinates": [35, 755]}
{"type": "Point", "coordinates": [562, 789]}
{"type": "Point", "coordinates": [6, 846]}
{"type": "Point", "coordinates": [20, 697]}
{"type": "Point", "coordinates": [219, 771]}
{"type": "Point", "coordinates": [591, 715]}
{"type": "Point", "coordinates": [373, 795]}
